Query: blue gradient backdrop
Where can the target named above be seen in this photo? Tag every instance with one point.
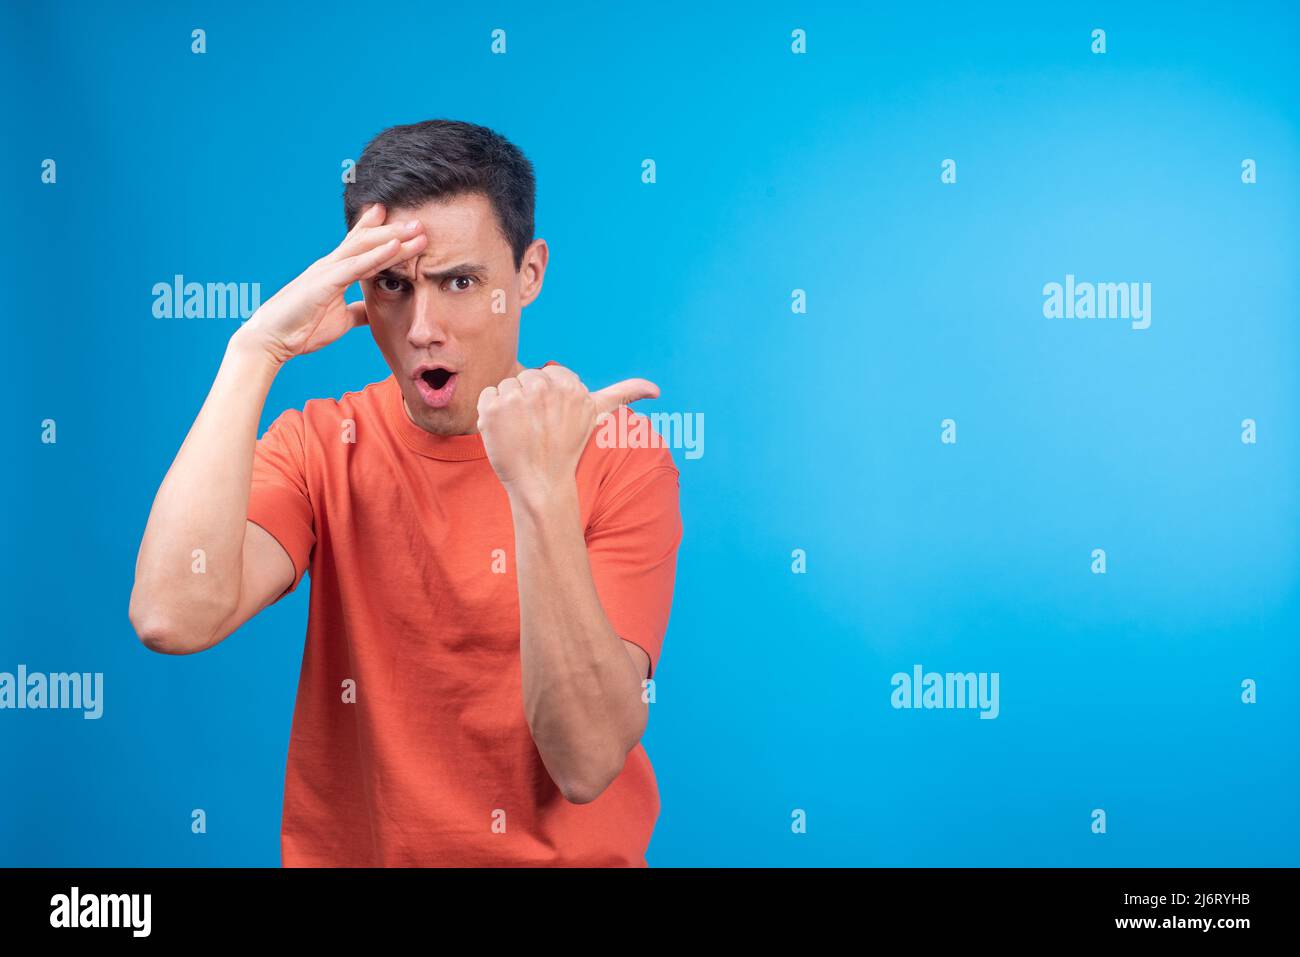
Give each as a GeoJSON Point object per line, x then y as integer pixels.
{"type": "Point", "coordinates": [775, 172]}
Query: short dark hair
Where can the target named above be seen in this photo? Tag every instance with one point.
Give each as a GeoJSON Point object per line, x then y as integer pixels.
{"type": "Point", "coordinates": [407, 166]}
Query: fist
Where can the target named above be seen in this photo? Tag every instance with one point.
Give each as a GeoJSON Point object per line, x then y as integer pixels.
{"type": "Point", "coordinates": [536, 424]}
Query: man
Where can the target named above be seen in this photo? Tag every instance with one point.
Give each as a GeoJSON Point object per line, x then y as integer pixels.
{"type": "Point", "coordinates": [490, 585]}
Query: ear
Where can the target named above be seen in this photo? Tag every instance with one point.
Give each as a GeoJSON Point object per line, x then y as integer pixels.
{"type": "Point", "coordinates": [532, 270]}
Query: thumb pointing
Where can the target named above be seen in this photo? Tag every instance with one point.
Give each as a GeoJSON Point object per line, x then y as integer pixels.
{"type": "Point", "coordinates": [621, 393]}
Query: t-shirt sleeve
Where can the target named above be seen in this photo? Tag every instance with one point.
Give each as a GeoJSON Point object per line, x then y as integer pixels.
{"type": "Point", "coordinates": [278, 499]}
{"type": "Point", "coordinates": [632, 541]}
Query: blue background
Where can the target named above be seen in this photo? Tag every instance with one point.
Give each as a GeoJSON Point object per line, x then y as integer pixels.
{"type": "Point", "coordinates": [775, 172]}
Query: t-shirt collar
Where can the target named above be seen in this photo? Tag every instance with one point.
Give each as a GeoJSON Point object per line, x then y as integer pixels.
{"type": "Point", "coordinates": [449, 448]}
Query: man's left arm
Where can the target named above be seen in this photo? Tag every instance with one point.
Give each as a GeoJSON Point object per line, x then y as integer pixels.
{"type": "Point", "coordinates": [582, 683]}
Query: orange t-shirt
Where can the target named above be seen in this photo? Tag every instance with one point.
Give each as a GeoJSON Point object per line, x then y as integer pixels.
{"type": "Point", "coordinates": [414, 604]}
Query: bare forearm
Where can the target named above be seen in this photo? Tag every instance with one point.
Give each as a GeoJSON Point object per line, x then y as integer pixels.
{"type": "Point", "coordinates": [202, 504]}
{"type": "Point", "coordinates": [203, 501]}
{"type": "Point", "coordinates": [582, 693]}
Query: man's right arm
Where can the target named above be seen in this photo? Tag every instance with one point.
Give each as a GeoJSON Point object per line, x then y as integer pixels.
{"type": "Point", "coordinates": [203, 501]}
{"type": "Point", "coordinates": [203, 504]}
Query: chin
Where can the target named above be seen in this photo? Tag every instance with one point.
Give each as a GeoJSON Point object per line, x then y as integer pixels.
{"type": "Point", "coordinates": [442, 421]}
{"type": "Point", "coordinates": [438, 421]}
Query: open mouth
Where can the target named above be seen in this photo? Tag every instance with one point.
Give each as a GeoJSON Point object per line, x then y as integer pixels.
{"type": "Point", "coordinates": [436, 387]}
{"type": "Point", "coordinates": [436, 378]}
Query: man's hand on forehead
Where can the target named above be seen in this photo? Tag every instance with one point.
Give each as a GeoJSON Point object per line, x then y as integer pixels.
{"type": "Point", "coordinates": [310, 312]}
{"type": "Point", "coordinates": [372, 227]}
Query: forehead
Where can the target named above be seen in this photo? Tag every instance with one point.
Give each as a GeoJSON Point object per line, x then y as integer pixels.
{"type": "Point", "coordinates": [465, 224]}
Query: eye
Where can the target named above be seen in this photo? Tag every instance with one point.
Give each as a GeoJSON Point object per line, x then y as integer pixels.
{"type": "Point", "coordinates": [457, 280]}
{"type": "Point", "coordinates": [390, 285]}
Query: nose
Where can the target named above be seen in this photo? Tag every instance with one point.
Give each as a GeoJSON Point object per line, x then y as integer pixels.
{"type": "Point", "coordinates": [427, 327]}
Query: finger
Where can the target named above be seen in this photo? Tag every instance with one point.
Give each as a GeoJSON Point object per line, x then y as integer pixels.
{"type": "Point", "coordinates": [531, 380]}
{"type": "Point", "coordinates": [561, 376]}
{"type": "Point", "coordinates": [365, 265]}
{"type": "Point", "coordinates": [509, 387]}
{"type": "Point", "coordinates": [621, 393]}
{"type": "Point", "coordinates": [357, 314]}
{"type": "Point", "coordinates": [372, 215]}
{"type": "Point", "coordinates": [407, 250]}
{"type": "Point", "coordinates": [486, 396]}
{"type": "Point", "coordinates": [367, 239]}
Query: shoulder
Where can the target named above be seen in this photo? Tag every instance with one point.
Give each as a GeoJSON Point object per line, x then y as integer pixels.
{"type": "Point", "coordinates": [328, 414]}
{"type": "Point", "coordinates": [317, 427]}
{"type": "Point", "coordinates": [625, 446]}
{"type": "Point", "coordinates": [626, 452]}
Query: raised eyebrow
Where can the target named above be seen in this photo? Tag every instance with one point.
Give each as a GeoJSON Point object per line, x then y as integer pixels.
{"type": "Point", "coordinates": [460, 269]}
